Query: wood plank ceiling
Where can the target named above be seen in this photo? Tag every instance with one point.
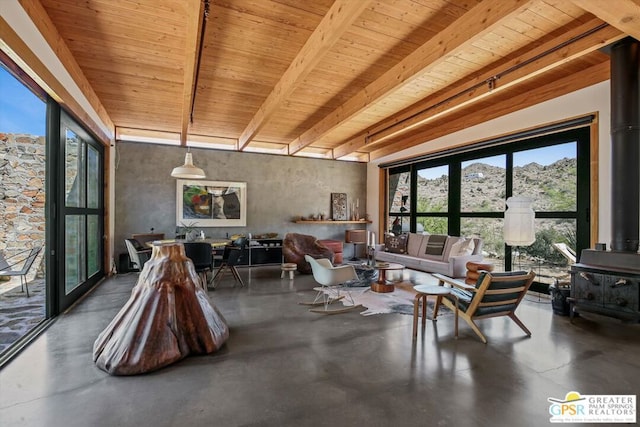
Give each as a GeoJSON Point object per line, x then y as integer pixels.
{"type": "Point", "coordinates": [343, 79]}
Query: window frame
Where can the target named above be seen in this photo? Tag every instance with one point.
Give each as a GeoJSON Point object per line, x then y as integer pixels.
{"type": "Point", "coordinates": [582, 136]}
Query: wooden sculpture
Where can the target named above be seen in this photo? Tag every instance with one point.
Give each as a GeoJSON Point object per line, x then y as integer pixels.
{"type": "Point", "coordinates": [167, 317]}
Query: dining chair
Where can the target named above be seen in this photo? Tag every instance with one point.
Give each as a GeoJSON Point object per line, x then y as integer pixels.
{"type": "Point", "coordinates": [233, 255]}
{"type": "Point", "coordinates": [201, 255]}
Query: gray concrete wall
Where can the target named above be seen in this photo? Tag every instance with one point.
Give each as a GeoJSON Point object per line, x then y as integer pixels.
{"type": "Point", "coordinates": [279, 188]}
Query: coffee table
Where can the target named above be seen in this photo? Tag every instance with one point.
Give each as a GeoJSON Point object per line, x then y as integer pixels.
{"type": "Point", "coordinates": [381, 285]}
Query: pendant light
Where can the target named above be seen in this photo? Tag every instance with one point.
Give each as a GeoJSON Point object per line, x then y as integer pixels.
{"type": "Point", "coordinates": [519, 222]}
{"type": "Point", "coordinates": [188, 170]}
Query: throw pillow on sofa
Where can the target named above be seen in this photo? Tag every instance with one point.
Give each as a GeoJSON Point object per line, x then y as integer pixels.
{"type": "Point", "coordinates": [435, 245]}
{"type": "Point", "coordinates": [462, 247]}
{"type": "Point", "coordinates": [396, 244]}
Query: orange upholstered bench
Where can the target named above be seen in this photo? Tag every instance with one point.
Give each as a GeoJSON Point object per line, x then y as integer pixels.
{"type": "Point", "coordinates": [336, 247]}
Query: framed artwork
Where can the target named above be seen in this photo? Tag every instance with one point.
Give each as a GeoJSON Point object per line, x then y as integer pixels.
{"type": "Point", "coordinates": [339, 206]}
{"type": "Point", "coordinates": [211, 203]}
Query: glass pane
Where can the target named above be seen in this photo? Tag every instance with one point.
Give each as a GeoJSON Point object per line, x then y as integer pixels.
{"type": "Point", "coordinates": [399, 186]}
{"type": "Point", "coordinates": [398, 224]}
{"type": "Point", "coordinates": [22, 213]}
{"type": "Point", "coordinates": [483, 184]}
{"type": "Point", "coordinates": [93, 244]}
{"type": "Point", "coordinates": [432, 225]}
{"type": "Point", "coordinates": [74, 252]}
{"type": "Point", "coordinates": [433, 189]}
{"type": "Point", "coordinates": [548, 175]}
{"type": "Point", "coordinates": [93, 178]}
{"type": "Point", "coordinates": [490, 230]}
{"type": "Point", "coordinates": [74, 188]}
{"type": "Point", "coordinates": [550, 263]}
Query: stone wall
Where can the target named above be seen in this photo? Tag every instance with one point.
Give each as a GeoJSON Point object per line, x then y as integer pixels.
{"type": "Point", "coordinates": [22, 195]}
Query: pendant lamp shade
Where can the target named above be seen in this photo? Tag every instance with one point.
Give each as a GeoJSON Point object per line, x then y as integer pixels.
{"type": "Point", "coordinates": [519, 222]}
{"type": "Point", "coordinates": [188, 170]}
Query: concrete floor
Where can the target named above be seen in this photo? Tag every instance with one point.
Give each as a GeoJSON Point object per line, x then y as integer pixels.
{"type": "Point", "coordinates": [284, 366]}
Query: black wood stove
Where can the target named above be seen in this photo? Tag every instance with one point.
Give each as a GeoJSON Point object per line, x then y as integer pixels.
{"type": "Point", "coordinates": [608, 282]}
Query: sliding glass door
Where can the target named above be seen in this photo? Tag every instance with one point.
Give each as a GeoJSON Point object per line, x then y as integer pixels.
{"type": "Point", "coordinates": [80, 212]}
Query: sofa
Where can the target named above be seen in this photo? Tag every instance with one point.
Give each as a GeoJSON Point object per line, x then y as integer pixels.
{"type": "Point", "coordinates": [432, 253]}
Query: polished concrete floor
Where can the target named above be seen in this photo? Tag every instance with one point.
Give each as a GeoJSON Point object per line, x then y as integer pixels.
{"type": "Point", "coordinates": [285, 366]}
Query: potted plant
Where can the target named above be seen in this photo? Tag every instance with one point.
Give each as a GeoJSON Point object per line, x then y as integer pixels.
{"type": "Point", "coordinates": [188, 230]}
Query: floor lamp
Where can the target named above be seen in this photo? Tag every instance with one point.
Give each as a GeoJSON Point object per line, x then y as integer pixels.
{"type": "Point", "coordinates": [519, 222]}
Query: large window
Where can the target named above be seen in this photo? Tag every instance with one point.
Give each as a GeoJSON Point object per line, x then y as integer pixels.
{"type": "Point", "coordinates": [432, 208]}
{"type": "Point", "coordinates": [399, 201]}
{"type": "Point", "coordinates": [464, 193]}
{"type": "Point", "coordinates": [22, 207]}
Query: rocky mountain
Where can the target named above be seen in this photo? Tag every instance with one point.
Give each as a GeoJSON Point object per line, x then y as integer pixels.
{"type": "Point", "coordinates": [552, 187]}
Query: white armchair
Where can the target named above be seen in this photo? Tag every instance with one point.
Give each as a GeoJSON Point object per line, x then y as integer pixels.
{"type": "Point", "coordinates": [331, 280]}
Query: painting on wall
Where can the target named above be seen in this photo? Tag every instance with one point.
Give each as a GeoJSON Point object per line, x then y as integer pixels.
{"type": "Point", "coordinates": [339, 206]}
{"type": "Point", "coordinates": [211, 203]}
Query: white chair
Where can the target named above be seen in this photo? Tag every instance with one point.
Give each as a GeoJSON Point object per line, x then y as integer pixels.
{"type": "Point", "coordinates": [137, 253]}
{"type": "Point", "coordinates": [331, 280]}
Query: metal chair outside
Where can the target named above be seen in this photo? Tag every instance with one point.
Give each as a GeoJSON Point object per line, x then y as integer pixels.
{"type": "Point", "coordinates": [23, 259]}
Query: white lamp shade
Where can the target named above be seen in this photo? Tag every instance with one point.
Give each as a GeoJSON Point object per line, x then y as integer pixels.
{"type": "Point", "coordinates": [519, 222]}
{"type": "Point", "coordinates": [188, 170]}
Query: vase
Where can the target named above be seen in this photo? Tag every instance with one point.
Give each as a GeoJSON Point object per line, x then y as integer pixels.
{"type": "Point", "coordinates": [191, 235]}
{"type": "Point", "coordinates": [168, 317]}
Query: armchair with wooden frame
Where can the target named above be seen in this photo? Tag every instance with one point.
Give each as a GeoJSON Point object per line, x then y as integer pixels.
{"type": "Point", "coordinates": [494, 295]}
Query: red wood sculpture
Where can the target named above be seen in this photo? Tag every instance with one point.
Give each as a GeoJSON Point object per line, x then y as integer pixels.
{"type": "Point", "coordinates": [167, 317]}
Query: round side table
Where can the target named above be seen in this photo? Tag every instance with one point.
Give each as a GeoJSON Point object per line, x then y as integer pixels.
{"type": "Point", "coordinates": [381, 286]}
{"type": "Point", "coordinates": [423, 291]}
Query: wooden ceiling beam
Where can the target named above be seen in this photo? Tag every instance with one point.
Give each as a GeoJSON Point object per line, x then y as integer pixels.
{"type": "Point", "coordinates": [622, 14]}
{"type": "Point", "coordinates": [463, 32]}
{"type": "Point", "coordinates": [351, 146]}
{"type": "Point", "coordinates": [41, 20]}
{"type": "Point", "coordinates": [335, 22]}
{"type": "Point", "coordinates": [573, 44]}
{"type": "Point", "coordinates": [590, 76]}
{"type": "Point", "coordinates": [193, 36]}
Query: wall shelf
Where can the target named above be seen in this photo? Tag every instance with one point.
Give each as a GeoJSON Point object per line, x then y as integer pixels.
{"type": "Point", "coordinates": [310, 221]}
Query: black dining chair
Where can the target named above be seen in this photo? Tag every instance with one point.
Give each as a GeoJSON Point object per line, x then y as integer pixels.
{"type": "Point", "coordinates": [202, 256]}
{"type": "Point", "coordinates": [233, 256]}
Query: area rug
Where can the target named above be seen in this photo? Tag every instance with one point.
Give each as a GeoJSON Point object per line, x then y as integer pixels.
{"type": "Point", "coordinates": [399, 301]}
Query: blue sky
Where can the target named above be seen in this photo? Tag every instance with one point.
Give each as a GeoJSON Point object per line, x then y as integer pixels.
{"type": "Point", "coordinates": [20, 110]}
{"type": "Point", "coordinates": [543, 156]}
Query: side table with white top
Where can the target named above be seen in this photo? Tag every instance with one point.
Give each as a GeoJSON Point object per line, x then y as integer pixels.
{"type": "Point", "coordinates": [422, 292]}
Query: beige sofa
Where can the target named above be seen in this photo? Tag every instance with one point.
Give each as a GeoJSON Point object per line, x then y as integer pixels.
{"type": "Point", "coordinates": [432, 253]}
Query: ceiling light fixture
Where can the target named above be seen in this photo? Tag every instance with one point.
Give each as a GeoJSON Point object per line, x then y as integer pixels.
{"type": "Point", "coordinates": [188, 170]}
